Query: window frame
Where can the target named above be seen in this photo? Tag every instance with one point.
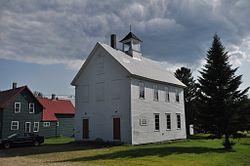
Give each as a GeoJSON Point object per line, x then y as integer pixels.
{"type": "Point", "coordinates": [34, 125]}
{"type": "Point", "coordinates": [178, 121]}
{"type": "Point", "coordinates": [141, 90]}
{"type": "Point", "coordinates": [33, 110]}
{"type": "Point", "coordinates": [167, 95]}
{"type": "Point", "coordinates": [155, 92]}
{"type": "Point", "coordinates": [46, 124]}
{"type": "Point", "coordinates": [57, 124]}
{"type": "Point", "coordinates": [177, 96]}
{"type": "Point", "coordinates": [29, 127]}
{"type": "Point", "coordinates": [168, 121]}
{"type": "Point", "coordinates": [155, 122]}
{"type": "Point", "coordinates": [17, 125]}
{"type": "Point", "coordinates": [15, 107]}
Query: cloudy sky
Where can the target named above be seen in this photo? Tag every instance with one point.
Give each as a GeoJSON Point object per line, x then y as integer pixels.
{"type": "Point", "coordinates": [44, 43]}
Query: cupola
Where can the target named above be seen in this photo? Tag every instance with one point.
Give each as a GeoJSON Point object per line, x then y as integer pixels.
{"type": "Point", "coordinates": [131, 45]}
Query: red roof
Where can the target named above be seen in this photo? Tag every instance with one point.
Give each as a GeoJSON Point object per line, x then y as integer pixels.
{"type": "Point", "coordinates": [7, 96]}
{"type": "Point", "coordinates": [56, 106]}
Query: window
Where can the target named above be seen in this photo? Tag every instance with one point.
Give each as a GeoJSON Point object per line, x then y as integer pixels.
{"type": "Point", "coordinates": [85, 93]}
{"type": "Point", "coordinates": [116, 89]}
{"type": "Point", "coordinates": [57, 124]}
{"type": "Point", "coordinates": [167, 99]}
{"type": "Point", "coordinates": [14, 125]}
{"type": "Point", "coordinates": [36, 127]}
{"type": "Point", "coordinates": [27, 127]}
{"type": "Point", "coordinates": [99, 91]}
{"type": "Point", "coordinates": [46, 124]}
{"type": "Point", "coordinates": [31, 108]}
{"type": "Point", "coordinates": [143, 121]}
{"type": "Point", "coordinates": [177, 96]}
{"type": "Point", "coordinates": [17, 107]}
{"type": "Point", "coordinates": [168, 121]}
{"type": "Point", "coordinates": [155, 93]}
{"type": "Point", "coordinates": [178, 117]}
{"type": "Point", "coordinates": [142, 90]}
{"type": "Point", "coordinates": [157, 122]}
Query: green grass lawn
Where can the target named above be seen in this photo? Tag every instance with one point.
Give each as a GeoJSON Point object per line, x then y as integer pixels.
{"type": "Point", "coordinates": [58, 140]}
{"type": "Point", "coordinates": [191, 152]}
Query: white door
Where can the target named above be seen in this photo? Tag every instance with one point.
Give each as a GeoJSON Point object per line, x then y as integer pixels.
{"type": "Point", "coordinates": [27, 127]}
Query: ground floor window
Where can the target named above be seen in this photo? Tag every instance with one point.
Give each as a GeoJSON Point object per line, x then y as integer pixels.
{"type": "Point", "coordinates": [168, 121]}
{"type": "Point", "coordinates": [178, 117]}
{"type": "Point", "coordinates": [36, 127]}
{"type": "Point", "coordinates": [27, 127]}
{"type": "Point", "coordinates": [46, 124]}
{"type": "Point", "coordinates": [14, 125]}
{"type": "Point", "coordinates": [57, 124]}
{"type": "Point", "coordinates": [157, 122]}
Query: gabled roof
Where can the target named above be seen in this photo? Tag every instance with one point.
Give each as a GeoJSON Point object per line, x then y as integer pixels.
{"type": "Point", "coordinates": [56, 106]}
{"type": "Point", "coordinates": [129, 36]}
{"type": "Point", "coordinates": [143, 69]}
{"type": "Point", "coordinates": [7, 96]}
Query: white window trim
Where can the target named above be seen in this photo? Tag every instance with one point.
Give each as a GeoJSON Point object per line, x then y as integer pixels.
{"type": "Point", "coordinates": [57, 124]}
{"type": "Point", "coordinates": [155, 88]}
{"type": "Point", "coordinates": [29, 127]}
{"type": "Point", "coordinates": [159, 122]}
{"type": "Point", "coordinates": [35, 131]}
{"type": "Point", "coordinates": [141, 83]}
{"type": "Point", "coordinates": [15, 106]}
{"type": "Point", "coordinates": [167, 94]}
{"type": "Point", "coordinates": [177, 121]}
{"type": "Point", "coordinates": [33, 111]}
{"type": "Point", "coordinates": [168, 113]}
{"type": "Point", "coordinates": [46, 124]}
{"type": "Point", "coordinates": [17, 126]}
{"type": "Point", "coordinates": [177, 93]}
{"type": "Point", "coordinates": [142, 120]}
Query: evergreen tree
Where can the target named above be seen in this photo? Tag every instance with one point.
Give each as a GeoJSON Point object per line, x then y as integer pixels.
{"type": "Point", "coordinates": [185, 76]}
{"type": "Point", "coordinates": [219, 98]}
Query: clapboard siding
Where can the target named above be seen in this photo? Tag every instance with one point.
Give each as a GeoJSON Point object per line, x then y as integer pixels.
{"type": "Point", "coordinates": [24, 116]}
{"type": "Point", "coordinates": [66, 125]}
{"type": "Point", "coordinates": [25, 97]}
{"type": "Point", "coordinates": [146, 108]}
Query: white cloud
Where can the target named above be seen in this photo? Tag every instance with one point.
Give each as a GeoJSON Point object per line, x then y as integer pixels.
{"type": "Point", "coordinates": [178, 32]}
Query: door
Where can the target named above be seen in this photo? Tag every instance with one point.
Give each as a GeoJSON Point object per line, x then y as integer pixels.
{"type": "Point", "coordinates": [116, 129]}
{"type": "Point", "coordinates": [85, 131]}
{"type": "Point", "coordinates": [27, 127]}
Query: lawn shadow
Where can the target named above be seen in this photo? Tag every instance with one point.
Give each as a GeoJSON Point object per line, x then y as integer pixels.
{"type": "Point", "coordinates": [144, 152]}
{"type": "Point", "coordinates": [43, 149]}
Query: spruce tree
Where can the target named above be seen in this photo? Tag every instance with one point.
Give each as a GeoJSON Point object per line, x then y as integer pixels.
{"type": "Point", "coordinates": [219, 97]}
{"type": "Point", "coordinates": [185, 76]}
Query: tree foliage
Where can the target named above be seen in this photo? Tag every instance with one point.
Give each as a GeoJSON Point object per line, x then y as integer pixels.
{"type": "Point", "coordinates": [185, 76]}
{"type": "Point", "coordinates": [219, 97]}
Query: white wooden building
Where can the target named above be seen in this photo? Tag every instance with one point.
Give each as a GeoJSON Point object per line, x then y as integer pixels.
{"type": "Point", "coordinates": [123, 96]}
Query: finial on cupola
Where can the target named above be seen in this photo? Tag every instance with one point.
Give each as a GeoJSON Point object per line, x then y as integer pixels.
{"type": "Point", "coordinates": [131, 45]}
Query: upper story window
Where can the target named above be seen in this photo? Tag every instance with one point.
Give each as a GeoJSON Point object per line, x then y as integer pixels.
{"type": "Point", "coordinates": [167, 96]}
{"type": "Point", "coordinates": [178, 118]}
{"type": "Point", "coordinates": [31, 108]}
{"type": "Point", "coordinates": [157, 122]}
{"type": "Point", "coordinates": [156, 96]}
{"type": "Point", "coordinates": [17, 107]}
{"type": "Point", "coordinates": [168, 121]}
{"type": "Point", "coordinates": [14, 125]}
{"type": "Point", "coordinates": [142, 90]}
{"type": "Point", "coordinates": [177, 96]}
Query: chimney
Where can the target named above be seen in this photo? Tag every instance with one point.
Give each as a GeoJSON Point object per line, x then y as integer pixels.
{"type": "Point", "coordinates": [14, 85]}
{"type": "Point", "coordinates": [113, 41]}
{"type": "Point", "coordinates": [53, 96]}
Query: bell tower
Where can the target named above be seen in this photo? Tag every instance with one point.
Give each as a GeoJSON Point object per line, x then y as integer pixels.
{"type": "Point", "coordinates": [131, 45]}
